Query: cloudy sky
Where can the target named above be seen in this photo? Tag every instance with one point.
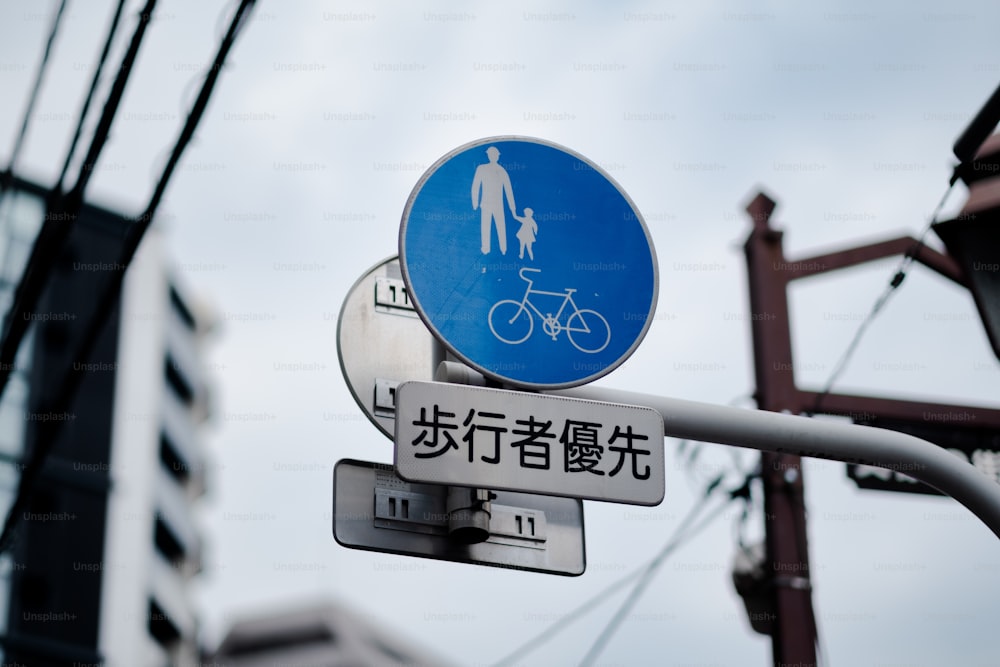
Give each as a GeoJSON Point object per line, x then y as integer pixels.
{"type": "Point", "coordinates": [326, 116]}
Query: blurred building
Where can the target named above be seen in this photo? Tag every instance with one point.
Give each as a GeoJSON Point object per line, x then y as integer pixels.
{"type": "Point", "coordinates": [316, 635]}
{"type": "Point", "coordinates": [103, 559]}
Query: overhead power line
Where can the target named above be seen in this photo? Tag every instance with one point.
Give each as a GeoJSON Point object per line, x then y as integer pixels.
{"type": "Point", "coordinates": [682, 533]}
{"type": "Point", "coordinates": [650, 571]}
{"type": "Point", "coordinates": [61, 214]}
{"type": "Point", "coordinates": [979, 128]}
{"type": "Point", "coordinates": [85, 109]}
{"type": "Point", "coordinates": [33, 97]}
{"type": "Point", "coordinates": [49, 431]}
{"type": "Point", "coordinates": [897, 279]}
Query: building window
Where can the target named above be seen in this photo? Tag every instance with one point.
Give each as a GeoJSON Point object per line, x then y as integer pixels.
{"type": "Point", "coordinates": [179, 469]}
{"type": "Point", "coordinates": [161, 627]}
{"type": "Point", "coordinates": [181, 309]}
{"type": "Point", "coordinates": [178, 383]}
{"type": "Point", "coordinates": [167, 543]}
{"type": "Point", "coordinates": [292, 638]}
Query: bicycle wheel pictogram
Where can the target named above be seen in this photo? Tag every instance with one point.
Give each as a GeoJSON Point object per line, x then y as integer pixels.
{"type": "Point", "coordinates": [510, 321]}
{"type": "Point", "coordinates": [588, 331]}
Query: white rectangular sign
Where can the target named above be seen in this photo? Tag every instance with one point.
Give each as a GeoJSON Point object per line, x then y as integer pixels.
{"type": "Point", "coordinates": [520, 441]}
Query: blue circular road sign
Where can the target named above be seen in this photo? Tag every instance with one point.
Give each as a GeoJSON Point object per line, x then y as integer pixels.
{"type": "Point", "coordinates": [528, 262]}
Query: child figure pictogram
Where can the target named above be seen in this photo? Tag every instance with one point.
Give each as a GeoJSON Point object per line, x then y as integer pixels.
{"type": "Point", "coordinates": [526, 234]}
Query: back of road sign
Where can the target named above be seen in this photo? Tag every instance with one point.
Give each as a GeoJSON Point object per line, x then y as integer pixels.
{"type": "Point", "coordinates": [528, 262]}
{"type": "Point", "coordinates": [381, 342]}
{"type": "Point", "coordinates": [375, 510]}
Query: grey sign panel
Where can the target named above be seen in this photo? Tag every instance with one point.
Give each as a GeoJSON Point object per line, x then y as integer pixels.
{"type": "Point", "coordinates": [520, 441]}
{"type": "Point", "coordinates": [376, 510]}
{"type": "Point", "coordinates": [381, 342]}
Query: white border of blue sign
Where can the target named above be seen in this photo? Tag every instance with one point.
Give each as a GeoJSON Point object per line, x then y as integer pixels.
{"type": "Point", "coordinates": [415, 296]}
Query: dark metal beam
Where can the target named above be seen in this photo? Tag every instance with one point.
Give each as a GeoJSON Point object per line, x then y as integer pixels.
{"type": "Point", "coordinates": [904, 245]}
{"type": "Point", "coordinates": [864, 408]}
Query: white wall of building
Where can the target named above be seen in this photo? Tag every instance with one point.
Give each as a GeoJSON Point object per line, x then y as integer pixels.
{"type": "Point", "coordinates": [142, 489]}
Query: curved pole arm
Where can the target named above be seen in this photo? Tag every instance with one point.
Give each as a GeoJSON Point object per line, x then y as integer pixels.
{"type": "Point", "coordinates": [783, 433]}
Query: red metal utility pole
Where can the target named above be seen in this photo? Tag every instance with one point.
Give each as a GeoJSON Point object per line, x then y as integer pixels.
{"type": "Point", "coordinates": [968, 428]}
{"type": "Point", "coordinates": [793, 631]}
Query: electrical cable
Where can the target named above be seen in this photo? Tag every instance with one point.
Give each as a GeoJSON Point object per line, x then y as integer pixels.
{"type": "Point", "coordinates": [682, 532]}
{"type": "Point", "coordinates": [640, 586]}
{"type": "Point", "coordinates": [61, 212]}
{"type": "Point", "coordinates": [965, 148]}
{"type": "Point", "coordinates": [647, 576]}
{"type": "Point", "coordinates": [33, 98]}
{"type": "Point", "coordinates": [567, 619]}
{"type": "Point", "coordinates": [7, 176]}
{"type": "Point", "coordinates": [897, 279]}
{"type": "Point", "coordinates": [85, 109]}
{"type": "Point", "coordinates": [107, 299]}
{"type": "Point", "coordinates": [187, 133]}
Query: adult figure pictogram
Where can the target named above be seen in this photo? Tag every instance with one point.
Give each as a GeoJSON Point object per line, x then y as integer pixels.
{"type": "Point", "coordinates": [489, 187]}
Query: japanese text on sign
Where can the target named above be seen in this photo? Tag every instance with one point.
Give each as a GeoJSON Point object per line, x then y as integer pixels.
{"type": "Point", "coordinates": [511, 440]}
{"type": "Point", "coordinates": [580, 445]}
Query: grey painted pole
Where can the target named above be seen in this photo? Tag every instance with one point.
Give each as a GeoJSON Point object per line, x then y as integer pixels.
{"type": "Point", "coordinates": [771, 431]}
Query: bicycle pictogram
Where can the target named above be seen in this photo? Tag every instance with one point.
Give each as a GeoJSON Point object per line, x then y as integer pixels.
{"type": "Point", "coordinates": [513, 321]}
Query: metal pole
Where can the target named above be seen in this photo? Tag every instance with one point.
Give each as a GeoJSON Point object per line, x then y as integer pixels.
{"type": "Point", "coordinates": [469, 510]}
{"type": "Point", "coordinates": [802, 436]}
{"type": "Point", "coordinates": [793, 633]}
